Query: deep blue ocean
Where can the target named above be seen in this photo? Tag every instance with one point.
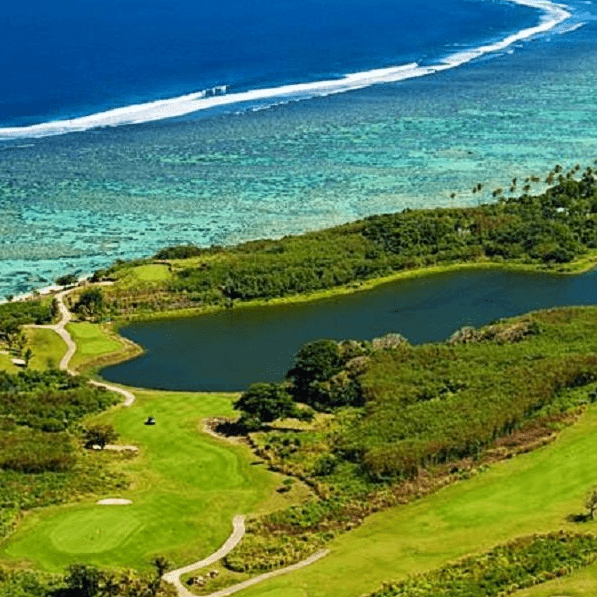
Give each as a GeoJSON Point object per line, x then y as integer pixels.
{"type": "Point", "coordinates": [65, 58]}
{"type": "Point", "coordinates": [402, 104]}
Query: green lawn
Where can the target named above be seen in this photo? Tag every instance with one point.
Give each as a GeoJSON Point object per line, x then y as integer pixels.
{"type": "Point", "coordinates": [186, 488]}
{"type": "Point", "coordinates": [154, 272]}
{"type": "Point", "coordinates": [93, 342]}
{"type": "Point", "coordinates": [530, 493]}
{"type": "Point", "coordinates": [47, 347]}
{"type": "Point", "coordinates": [145, 274]}
{"type": "Point", "coordinates": [6, 363]}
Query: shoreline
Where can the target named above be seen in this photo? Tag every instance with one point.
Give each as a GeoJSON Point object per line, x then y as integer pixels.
{"type": "Point", "coordinates": [578, 267]}
{"type": "Point", "coordinates": [552, 15]}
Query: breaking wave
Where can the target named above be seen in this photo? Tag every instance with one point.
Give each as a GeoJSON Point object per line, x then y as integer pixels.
{"type": "Point", "coordinates": [553, 15]}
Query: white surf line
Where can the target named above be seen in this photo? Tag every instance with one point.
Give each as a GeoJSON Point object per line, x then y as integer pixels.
{"type": "Point", "coordinates": [238, 532]}
{"type": "Point", "coordinates": [553, 15]}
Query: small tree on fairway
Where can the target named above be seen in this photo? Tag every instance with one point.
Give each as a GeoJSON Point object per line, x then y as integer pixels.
{"type": "Point", "coordinates": [591, 504]}
{"type": "Point", "coordinates": [27, 356]}
{"type": "Point", "coordinates": [100, 435]}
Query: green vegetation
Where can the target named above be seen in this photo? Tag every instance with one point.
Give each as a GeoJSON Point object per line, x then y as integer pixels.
{"type": "Point", "coordinates": [505, 569]}
{"type": "Point", "coordinates": [431, 414]}
{"type": "Point", "coordinates": [46, 346]}
{"type": "Point", "coordinates": [85, 581]}
{"type": "Point", "coordinates": [14, 340]}
{"type": "Point", "coordinates": [551, 230]}
{"type": "Point", "coordinates": [185, 487]}
{"type": "Point", "coordinates": [97, 345]}
{"type": "Point", "coordinates": [535, 492]}
{"type": "Point", "coordinates": [67, 280]}
{"type": "Point", "coordinates": [266, 402]}
{"type": "Point", "coordinates": [90, 302]}
{"type": "Point", "coordinates": [14, 315]}
{"type": "Point", "coordinates": [41, 462]}
{"type": "Point", "coordinates": [396, 423]}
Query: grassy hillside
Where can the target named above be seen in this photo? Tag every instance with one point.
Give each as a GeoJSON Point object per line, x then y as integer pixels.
{"type": "Point", "coordinates": [535, 492]}
{"type": "Point", "coordinates": [418, 418]}
{"type": "Point", "coordinates": [185, 487]}
{"type": "Point", "coordinates": [554, 230]}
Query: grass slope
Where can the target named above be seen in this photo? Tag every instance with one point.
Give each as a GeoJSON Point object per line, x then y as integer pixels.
{"type": "Point", "coordinates": [95, 343]}
{"type": "Point", "coordinates": [582, 583]}
{"type": "Point", "coordinates": [47, 347]}
{"type": "Point", "coordinates": [535, 492]}
{"type": "Point", "coordinates": [186, 487]}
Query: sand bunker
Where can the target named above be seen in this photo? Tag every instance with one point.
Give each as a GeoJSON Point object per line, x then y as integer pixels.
{"type": "Point", "coordinates": [114, 502]}
{"type": "Point", "coordinates": [117, 448]}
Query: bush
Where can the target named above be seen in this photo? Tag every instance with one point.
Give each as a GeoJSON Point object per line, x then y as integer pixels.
{"type": "Point", "coordinates": [264, 403]}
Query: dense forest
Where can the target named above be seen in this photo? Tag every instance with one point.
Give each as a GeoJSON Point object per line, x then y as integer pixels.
{"type": "Point", "coordinates": [550, 229]}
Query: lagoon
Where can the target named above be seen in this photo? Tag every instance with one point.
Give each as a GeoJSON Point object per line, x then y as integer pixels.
{"type": "Point", "coordinates": [227, 351]}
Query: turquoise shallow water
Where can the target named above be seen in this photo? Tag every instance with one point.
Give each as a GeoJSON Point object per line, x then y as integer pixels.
{"type": "Point", "coordinates": [78, 202]}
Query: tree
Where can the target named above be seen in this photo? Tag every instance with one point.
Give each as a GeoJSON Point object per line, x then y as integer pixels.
{"type": "Point", "coordinates": [266, 402]}
{"type": "Point", "coordinates": [591, 504]}
{"type": "Point", "coordinates": [91, 302]}
{"type": "Point", "coordinates": [161, 565]}
{"type": "Point", "coordinates": [27, 356]}
{"type": "Point", "coordinates": [84, 581]}
{"type": "Point", "coordinates": [315, 362]}
{"type": "Point", "coordinates": [100, 435]}
{"type": "Point", "coordinates": [67, 280]}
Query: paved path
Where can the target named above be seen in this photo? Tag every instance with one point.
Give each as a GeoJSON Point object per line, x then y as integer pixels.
{"type": "Point", "coordinates": [238, 523]}
{"type": "Point", "coordinates": [253, 581]}
{"type": "Point", "coordinates": [238, 531]}
{"type": "Point", "coordinates": [60, 329]}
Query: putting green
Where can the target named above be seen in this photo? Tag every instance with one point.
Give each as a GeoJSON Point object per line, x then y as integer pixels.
{"type": "Point", "coordinates": [97, 531]}
{"type": "Point", "coordinates": [186, 487]}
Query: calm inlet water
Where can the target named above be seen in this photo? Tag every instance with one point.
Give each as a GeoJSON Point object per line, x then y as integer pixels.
{"type": "Point", "coordinates": [229, 350]}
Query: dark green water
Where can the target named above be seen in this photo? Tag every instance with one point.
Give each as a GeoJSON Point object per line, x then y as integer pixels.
{"type": "Point", "coordinates": [229, 350]}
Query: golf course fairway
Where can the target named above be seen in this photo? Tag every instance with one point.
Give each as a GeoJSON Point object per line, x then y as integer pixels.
{"type": "Point", "coordinates": [531, 493]}
{"type": "Point", "coordinates": [186, 487]}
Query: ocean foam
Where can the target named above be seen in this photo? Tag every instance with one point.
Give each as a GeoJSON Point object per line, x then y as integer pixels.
{"type": "Point", "coordinates": [553, 15]}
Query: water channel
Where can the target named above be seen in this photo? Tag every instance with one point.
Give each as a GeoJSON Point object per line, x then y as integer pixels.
{"type": "Point", "coordinates": [227, 351]}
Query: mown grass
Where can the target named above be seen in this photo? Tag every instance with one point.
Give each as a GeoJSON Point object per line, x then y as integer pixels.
{"type": "Point", "coordinates": [6, 363]}
{"type": "Point", "coordinates": [535, 492]}
{"type": "Point", "coordinates": [582, 583]}
{"type": "Point", "coordinates": [47, 347]}
{"type": "Point", "coordinates": [145, 275]}
{"type": "Point", "coordinates": [94, 342]}
{"type": "Point", "coordinates": [186, 487]}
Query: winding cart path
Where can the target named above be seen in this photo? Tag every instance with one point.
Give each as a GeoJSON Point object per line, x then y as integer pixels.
{"type": "Point", "coordinates": [238, 531]}
{"type": "Point", "coordinates": [60, 329]}
{"type": "Point", "coordinates": [238, 523]}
